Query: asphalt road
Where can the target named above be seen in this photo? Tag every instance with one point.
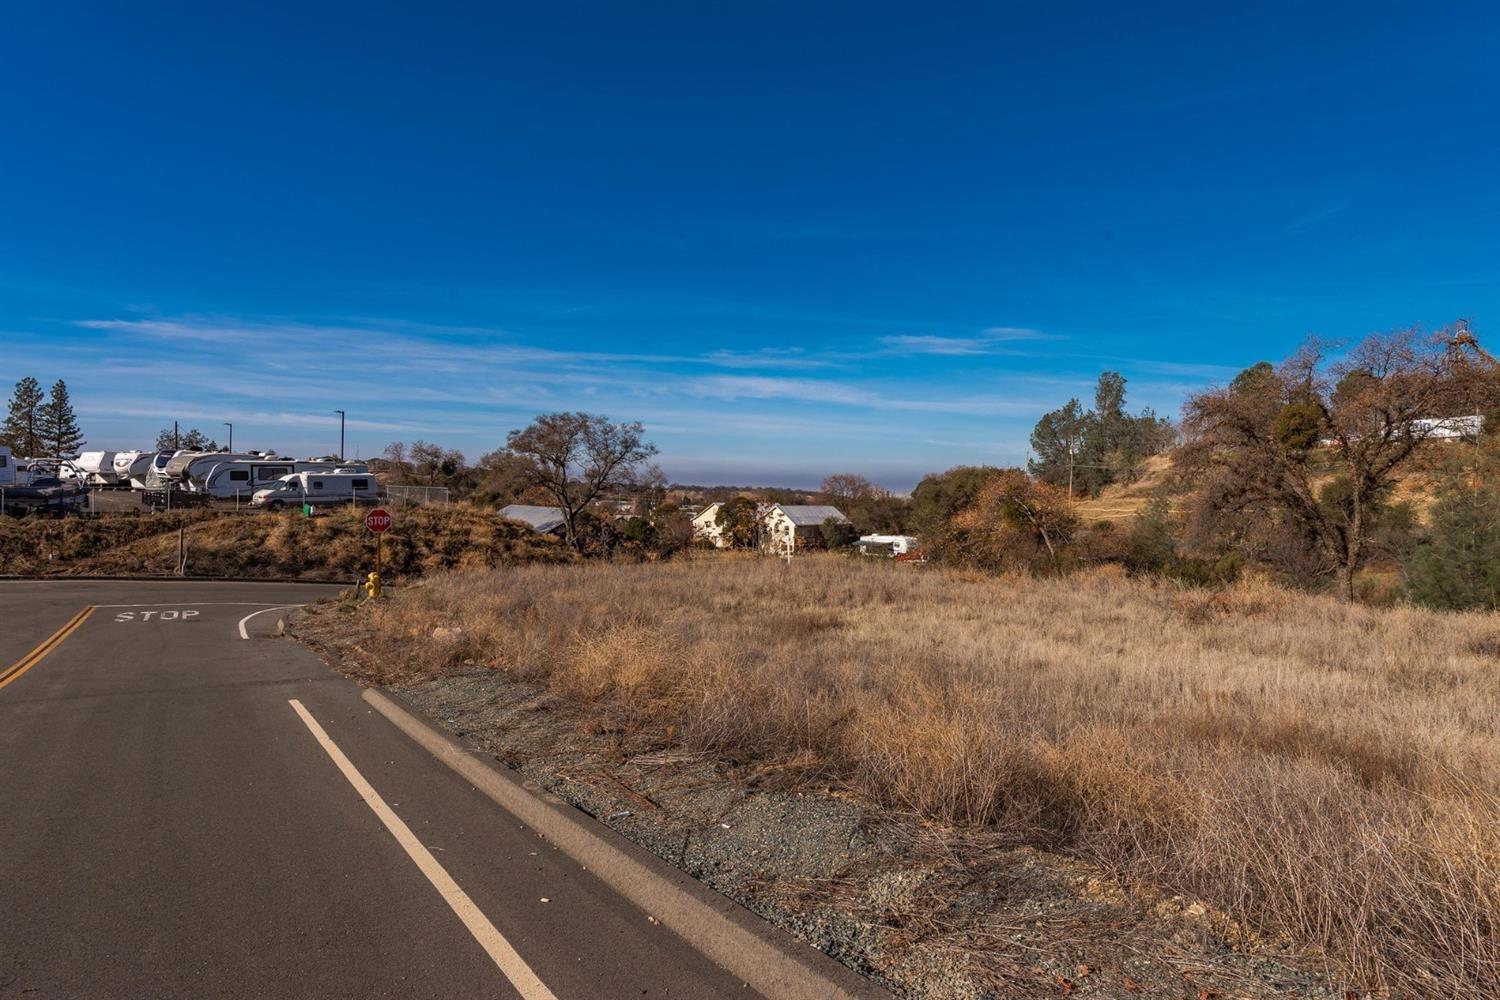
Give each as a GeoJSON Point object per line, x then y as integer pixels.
{"type": "Point", "coordinates": [172, 825]}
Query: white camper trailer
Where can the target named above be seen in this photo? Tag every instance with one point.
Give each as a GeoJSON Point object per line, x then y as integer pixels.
{"type": "Point", "coordinates": [319, 489]}
{"type": "Point", "coordinates": [243, 479]}
{"type": "Point", "coordinates": [96, 468]}
{"type": "Point", "coordinates": [896, 546]}
{"type": "Point", "coordinates": [130, 466]}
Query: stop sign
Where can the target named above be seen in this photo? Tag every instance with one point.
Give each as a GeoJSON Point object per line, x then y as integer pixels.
{"type": "Point", "coordinates": [378, 520]}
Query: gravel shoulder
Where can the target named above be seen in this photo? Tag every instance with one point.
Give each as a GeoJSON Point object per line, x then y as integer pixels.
{"type": "Point", "coordinates": [928, 912]}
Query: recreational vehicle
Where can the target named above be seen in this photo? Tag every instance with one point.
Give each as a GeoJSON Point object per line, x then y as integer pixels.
{"type": "Point", "coordinates": [131, 466]}
{"type": "Point", "coordinates": [243, 479]}
{"type": "Point", "coordinates": [896, 546]}
{"type": "Point", "coordinates": [319, 488]}
{"type": "Point", "coordinates": [97, 468]}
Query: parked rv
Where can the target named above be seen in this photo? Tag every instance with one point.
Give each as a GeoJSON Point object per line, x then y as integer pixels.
{"type": "Point", "coordinates": [187, 469]}
{"type": "Point", "coordinates": [897, 546]}
{"type": "Point", "coordinates": [97, 467]}
{"type": "Point", "coordinates": [319, 489]}
{"type": "Point", "coordinates": [224, 475]}
{"type": "Point", "coordinates": [130, 467]}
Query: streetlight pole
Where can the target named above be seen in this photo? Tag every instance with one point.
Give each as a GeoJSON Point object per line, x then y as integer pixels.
{"type": "Point", "coordinates": [231, 434]}
{"type": "Point", "coordinates": [341, 434]}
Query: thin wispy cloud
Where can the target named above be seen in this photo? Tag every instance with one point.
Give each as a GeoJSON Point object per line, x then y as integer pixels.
{"type": "Point", "coordinates": [989, 341]}
{"type": "Point", "coordinates": [1321, 213]}
{"type": "Point", "coordinates": [852, 401]}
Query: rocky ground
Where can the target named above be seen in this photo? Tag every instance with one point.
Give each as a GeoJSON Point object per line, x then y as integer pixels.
{"type": "Point", "coordinates": [929, 912]}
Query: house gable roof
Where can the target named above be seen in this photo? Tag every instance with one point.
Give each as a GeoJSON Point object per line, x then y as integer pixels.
{"type": "Point", "coordinates": [809, 515]}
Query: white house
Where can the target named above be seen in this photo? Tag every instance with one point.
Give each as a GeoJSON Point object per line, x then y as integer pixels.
{"type": "Point", "coordinates": [542, 520]}
{"type": "Point", "coordinates": [706, 527]}
{"type": "Point", "coordinates": [785, 527]}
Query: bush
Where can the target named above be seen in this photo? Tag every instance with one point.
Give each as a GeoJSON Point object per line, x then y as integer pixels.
{"type": "Point", "coordinates": [838, 534]}
{"type": "Point", "coordinates": [1015, 523]}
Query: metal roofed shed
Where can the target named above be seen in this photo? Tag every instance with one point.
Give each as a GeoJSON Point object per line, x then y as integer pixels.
{"type": "Point", "coordinates": [542, 520]}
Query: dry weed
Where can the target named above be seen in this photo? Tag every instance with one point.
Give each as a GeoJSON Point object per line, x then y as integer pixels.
{"type": "Point", "coordinates": [1327, 772]}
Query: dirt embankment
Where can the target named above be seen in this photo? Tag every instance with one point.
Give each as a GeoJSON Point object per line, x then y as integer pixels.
{"type": "Point", "coordinates": [330, 546]}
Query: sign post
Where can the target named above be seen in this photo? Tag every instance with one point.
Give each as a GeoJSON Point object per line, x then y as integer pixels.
{"type": "Point", "coordinates": [378, 521]}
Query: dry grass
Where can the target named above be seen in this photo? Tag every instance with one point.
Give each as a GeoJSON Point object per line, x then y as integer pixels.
{"type": "Point", "coordinates": [334, 546]}
{"type": "Point", "coordinates": [1123, 501]}
{"type": "Point", "coordinates": [1328, 772]}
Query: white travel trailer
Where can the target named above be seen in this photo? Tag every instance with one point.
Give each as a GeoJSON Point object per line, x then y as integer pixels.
{"type": "Point", "coordinates": [243, 479]}
{"type": "Point", "coordinates": [895, 546]}
{"type": "Point", "coordinates": [187, 469]}
{"type": "Point", "coordinates": [130, 466]}
{"type": "Point", "coordinates": [319, 489]}
{"type": "Point", "coordinates": [155, 477]}
{"type": "Point", "coordinates": [97, 468]}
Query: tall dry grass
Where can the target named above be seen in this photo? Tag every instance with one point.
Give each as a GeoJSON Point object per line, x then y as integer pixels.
{"type": "Point", "coordinates": [1328, 772]}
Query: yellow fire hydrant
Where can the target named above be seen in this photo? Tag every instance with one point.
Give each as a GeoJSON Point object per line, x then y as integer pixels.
{"type": "Point", "coordinates": [372, 585]}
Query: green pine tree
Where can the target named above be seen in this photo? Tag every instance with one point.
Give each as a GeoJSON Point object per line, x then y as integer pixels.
{"type": "Point", "coordinates": [22, 430]}
{"type": "Point", "coordinates": [59, 431]}
{"type": "Point", "coordinates": [1457, 564]}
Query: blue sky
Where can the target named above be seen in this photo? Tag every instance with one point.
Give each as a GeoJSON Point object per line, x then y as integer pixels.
{"type": "Point", "coordinates": [791, 238]}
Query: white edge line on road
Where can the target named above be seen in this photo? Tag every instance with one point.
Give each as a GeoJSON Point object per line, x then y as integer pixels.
{"type": "Point", "coordinates": [769, 961]}
{"type": "Point", "coordinates": [505, 957]}
{"type": "Point", "coordinates": [279, 607]}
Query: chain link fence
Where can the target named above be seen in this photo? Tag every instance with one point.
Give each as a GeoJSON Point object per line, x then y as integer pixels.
{"type": "Point", "coordinates": [414, 496]}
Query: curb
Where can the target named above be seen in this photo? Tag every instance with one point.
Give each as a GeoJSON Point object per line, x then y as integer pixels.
{"type": "Point", "coordinates": [117, 578]}
{"type": "Point", "coordinates": [768, 960]}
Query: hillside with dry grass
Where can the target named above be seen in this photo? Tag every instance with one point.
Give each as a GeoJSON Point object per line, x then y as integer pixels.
{"type": "Point", "coordinates": [332, 546]}
{"type": "Point", "coordinates": [1325, 773]}
{"type": "Point", "coordinates": [1159, 477]}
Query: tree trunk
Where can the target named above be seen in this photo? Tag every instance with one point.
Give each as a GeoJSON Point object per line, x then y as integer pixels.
{"type": "Point", "coordinates": [1346, 583]}
{"type": "Point", "coordinates": [1354, 542]}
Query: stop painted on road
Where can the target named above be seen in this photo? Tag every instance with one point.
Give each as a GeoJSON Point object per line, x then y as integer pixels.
{"type": "Point", "coordinates": [160, 616]}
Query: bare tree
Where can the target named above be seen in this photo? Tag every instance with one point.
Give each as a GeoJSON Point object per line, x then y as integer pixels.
{"type": "Point", "coordinates": [847, 488]}
{"type": "Point", "coordinates": [426, 460]}
{"type": "Point", "coordinates": [575, 457]}
{"type": "Point", "coordinates": [1312, 451]}
{"type": "Point", "coordinates": [395, 454]}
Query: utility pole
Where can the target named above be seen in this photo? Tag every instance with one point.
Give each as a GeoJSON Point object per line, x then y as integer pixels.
{"type": "Point", "coordinates": [176, 445]}
{"type": "Point", "coordinates": [341, 434]}
{"type": "Point", "coordinates": [231, 434]}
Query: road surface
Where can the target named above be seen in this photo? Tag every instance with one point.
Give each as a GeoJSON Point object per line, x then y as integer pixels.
{"type": "Point", "coordinates": [188, 813]}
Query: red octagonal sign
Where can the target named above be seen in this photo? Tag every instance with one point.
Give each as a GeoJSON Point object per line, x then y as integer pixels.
{"type": "Point", "coordinates": [378, 520]}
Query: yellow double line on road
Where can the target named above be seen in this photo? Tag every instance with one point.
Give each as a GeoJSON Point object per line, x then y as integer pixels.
{"type": "Point", "coordinates": [31, 659]}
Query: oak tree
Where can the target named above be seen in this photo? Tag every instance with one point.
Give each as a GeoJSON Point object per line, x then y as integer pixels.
{"type": "Point", "coordinates": [576, 457]}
